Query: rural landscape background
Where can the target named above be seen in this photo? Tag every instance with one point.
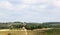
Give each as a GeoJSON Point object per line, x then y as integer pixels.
{"type": "Point", "coordinates": [29, 17]}
{"type": "Point", "coordinates": [24, 28]}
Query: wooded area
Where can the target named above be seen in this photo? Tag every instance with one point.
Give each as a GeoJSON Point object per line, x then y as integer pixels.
{"type": "Point", "coordinates": [29, 26]}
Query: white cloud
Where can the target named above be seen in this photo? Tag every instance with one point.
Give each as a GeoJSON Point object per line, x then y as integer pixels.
{"type": "Point", "coordinates": [29, 1]}
{"type": "Point", "coordinates": [14, 0]}
{"type": "Point", "coordinates": [23, 5]}
{"type": "Point", "coordinates": [20, 7]}
{"type": "Point", "coordinates": [6, 5]}
{"type": "Point", "coordinates": [39, 7]}
{"type": "Point", "coordinates": [56, 3]}
{"type": "Point", "coordinates": [2, 15]}
{"type": "Point", "coordinates": [33, 1]}
{"type": "Point", "coordinates": [10, 6]}
{"type": "Point", "coordinates": [42, 6]}
{"type": "Point", "coordinates": [56, 12]}
{"type": "Point", "coordinates": [30, 10]}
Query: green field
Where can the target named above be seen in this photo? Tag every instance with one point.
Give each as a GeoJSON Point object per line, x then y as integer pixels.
{"type": "Point", "coordinates": [33, 32]}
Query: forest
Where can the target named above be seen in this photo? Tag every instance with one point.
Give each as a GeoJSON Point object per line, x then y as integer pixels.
{"type": "Point", "coordinates": [29, 26]}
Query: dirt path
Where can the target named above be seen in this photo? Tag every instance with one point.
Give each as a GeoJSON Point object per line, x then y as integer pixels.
{"type": "Point", "coordinates": [24, 30]}
{"type": "Point", "coordinates": [4, 30]}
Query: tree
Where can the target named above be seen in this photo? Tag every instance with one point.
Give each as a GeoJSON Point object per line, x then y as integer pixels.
{"type": "Point", "coordinates": [39, 26]}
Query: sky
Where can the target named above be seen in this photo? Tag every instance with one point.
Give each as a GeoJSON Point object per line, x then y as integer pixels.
{"type": "Point", "coordinates": [30, 10]}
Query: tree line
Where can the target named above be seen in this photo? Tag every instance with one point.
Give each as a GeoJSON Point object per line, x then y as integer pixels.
{"type": "Point", "coordinates": [29, 26]}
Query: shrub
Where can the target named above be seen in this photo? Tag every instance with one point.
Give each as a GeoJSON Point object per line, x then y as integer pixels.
{"type": "Point", "coordinates": [9, 33]}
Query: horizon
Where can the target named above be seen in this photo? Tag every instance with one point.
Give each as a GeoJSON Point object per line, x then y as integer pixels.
{"type": "Point", "coordinates": [29, 22]}
{"type": "Point", "coordinates": [30, 10]}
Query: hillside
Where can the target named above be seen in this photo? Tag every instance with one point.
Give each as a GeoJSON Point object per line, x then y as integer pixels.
{"type": "Point", "coordinates": [30, 25]}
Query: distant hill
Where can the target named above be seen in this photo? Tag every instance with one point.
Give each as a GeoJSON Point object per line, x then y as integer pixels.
{"type": "Point", "coordinates": [52, 24]}
{"type": "Point", "coordinates": [30, 25]}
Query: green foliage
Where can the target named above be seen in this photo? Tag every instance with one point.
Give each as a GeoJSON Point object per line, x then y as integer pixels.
{"type": "Point", "coordinates": [32, 26]}
{"type": "Point", "coordinates": [39, 27]}
{"type": "Point", "coordinates": [9, 33]}
{"type": "Point", "coordinates": [52, 31]}
{"type": "Point", "coordinates": [16, 25]}
{"type": "Point", "coordinates": [11, 27]}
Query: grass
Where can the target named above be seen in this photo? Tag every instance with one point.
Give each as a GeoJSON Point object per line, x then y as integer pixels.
{"type": "Point", "coordinates": [18, 32]}
{"type": "Point", "coordinates": [33, 32]}
{"type": "Point", "coordinates": [52, 32]}
{"type": "Point", "coordinates": [12, 32]}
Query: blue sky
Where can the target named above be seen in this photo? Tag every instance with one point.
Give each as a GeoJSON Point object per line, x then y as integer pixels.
{"type": "Point", "coordinates": [30, 10]}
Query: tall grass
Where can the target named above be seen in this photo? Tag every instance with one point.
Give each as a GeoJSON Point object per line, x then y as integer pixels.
{"type": "Point", "coordinates": [52, 32]}
{"type": "Point", "coordinates": [32, 32]}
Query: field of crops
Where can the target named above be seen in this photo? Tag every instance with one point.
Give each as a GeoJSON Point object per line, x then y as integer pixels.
{"type": "Point", "coordinates": [33, 32]}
